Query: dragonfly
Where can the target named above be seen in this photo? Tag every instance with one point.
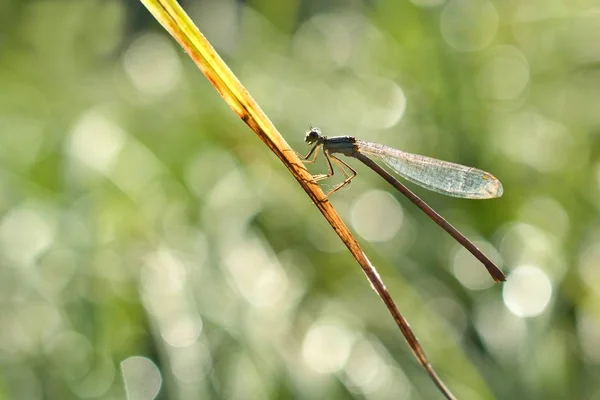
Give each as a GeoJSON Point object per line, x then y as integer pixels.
{"type": "Point", "coordinates": [436, 175]}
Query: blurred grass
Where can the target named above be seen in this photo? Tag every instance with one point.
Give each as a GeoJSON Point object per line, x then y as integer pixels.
{"type": "Point", "coordinates": [141, 235]}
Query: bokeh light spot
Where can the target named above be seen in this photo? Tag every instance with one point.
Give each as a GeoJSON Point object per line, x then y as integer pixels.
{"type": "Point", "coordinates": [25, 232]}
{"type": "Point", "coordinates": [163, 274]}
{"type": "Point", "coordinates": [96, 141]}
{"type": "Point", "coordinates": [325, 41]}
{"type": "Point", "coordinates": [533, 139]}
{"type": "Point", "coordinates": [257, 273]}
{"type": "Point", "coordinates": [502, 331]}
{"type": "Point", "coordinates": [326, 346]}
{"type": "Point", "coordinates": [377, 216]}
{"type": "Point", "coordinates": [372, 102]}
{"type": "Point", "coordinates": [190, 363]}
{"type": "Point", "coordinates": [527, 291]}
{"type": "Point", "coordinates": [182, 330]}
{"type": "Point", "coordinates": [142, 378]}
{"type": "Point", "coordinates": [368, 372]}
{"type": "Point", "coordinates": [469, 270]}
{"type": "Point", "coordinates": [505, 75]}
{"type": "Point", "coordinates": [152, 64]}
{"type": "Point", "coordinates": [469, 25]}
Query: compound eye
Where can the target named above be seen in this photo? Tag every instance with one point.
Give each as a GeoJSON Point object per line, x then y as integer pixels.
{"type": "Point", "coordinates": [312, 135]}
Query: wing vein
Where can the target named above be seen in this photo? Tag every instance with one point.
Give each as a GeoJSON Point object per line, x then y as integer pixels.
{"type": "Point", "coordinates": [439, 176]}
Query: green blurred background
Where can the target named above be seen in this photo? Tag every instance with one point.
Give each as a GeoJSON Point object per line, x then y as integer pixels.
{"type": "Point", "coordinates": [152, 247]}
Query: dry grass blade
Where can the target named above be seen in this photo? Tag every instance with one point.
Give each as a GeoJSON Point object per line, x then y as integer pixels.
{"type": "Point", "coordinates": [179, 25]}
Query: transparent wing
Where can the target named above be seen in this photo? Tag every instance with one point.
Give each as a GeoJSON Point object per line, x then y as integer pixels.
{"type": "Point", "coordinates": [436, 175]}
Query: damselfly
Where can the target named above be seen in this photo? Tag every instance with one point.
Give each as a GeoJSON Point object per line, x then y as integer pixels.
{"type": "Point", "coordinates": [439, 176]}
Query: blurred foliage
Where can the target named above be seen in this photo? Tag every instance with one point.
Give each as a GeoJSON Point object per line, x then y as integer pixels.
{"type": "Point", "coordinates": [151, 246]}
